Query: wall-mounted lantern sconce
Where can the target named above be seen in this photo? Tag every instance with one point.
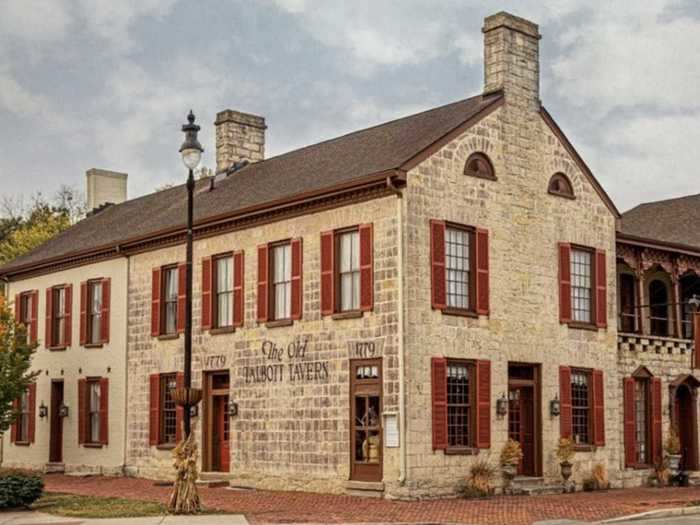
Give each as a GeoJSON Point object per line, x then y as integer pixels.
{"type": "Point", "coordinates": [43, 410]}
{"type": "Point", "coordinates": [555, 406]}
{"type": "Point", "coordinates": [502, 405]}
{"type": "Point", "coordinates": [63, 411]}
{"type": "Point", "coordinates": [194, 411]}
{"type": "Point", "coordinates": [232, 409]}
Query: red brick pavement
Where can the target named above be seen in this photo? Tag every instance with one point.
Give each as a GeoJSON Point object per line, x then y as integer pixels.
{"type": "Point", "coordinates": [296, 507]}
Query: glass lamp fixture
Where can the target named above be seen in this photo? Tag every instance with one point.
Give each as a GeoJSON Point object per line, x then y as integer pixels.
{"type": "Point", "coordinates": [191, 150]}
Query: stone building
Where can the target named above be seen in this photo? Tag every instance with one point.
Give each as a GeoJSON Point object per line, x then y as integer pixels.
{"type": "Point", "coordinates": [373, 313]}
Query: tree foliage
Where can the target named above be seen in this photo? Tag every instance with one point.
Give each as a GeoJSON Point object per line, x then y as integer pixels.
{"type": "Point", "coordinates": [15, 360]}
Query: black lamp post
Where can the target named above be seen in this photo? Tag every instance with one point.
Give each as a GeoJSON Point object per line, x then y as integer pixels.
{"type": "Point", "coordinates": [191, 151]}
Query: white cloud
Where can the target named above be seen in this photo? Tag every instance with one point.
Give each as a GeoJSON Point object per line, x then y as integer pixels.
{"type": "Point", "coordinates": [37, 21]}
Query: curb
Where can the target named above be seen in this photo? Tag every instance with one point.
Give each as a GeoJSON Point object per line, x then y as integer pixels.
{"type": "Point", "coordinates": [663, 513]}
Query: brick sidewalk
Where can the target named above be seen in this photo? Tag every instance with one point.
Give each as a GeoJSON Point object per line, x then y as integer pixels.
{"type": "Point", "coordinates": [297, 507]}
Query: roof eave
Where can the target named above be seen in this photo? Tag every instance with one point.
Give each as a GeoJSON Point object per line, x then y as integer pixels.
{"type": "Point", "coordinates": [647, 242]}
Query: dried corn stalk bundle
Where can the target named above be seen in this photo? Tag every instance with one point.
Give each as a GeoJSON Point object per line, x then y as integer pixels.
{"type": "Point", "coordinates": [185, 499]}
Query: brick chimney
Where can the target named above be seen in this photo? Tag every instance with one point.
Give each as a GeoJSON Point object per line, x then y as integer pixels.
{"type": "Point", "coordinates": [512, 59]}
{"type": "Point", "coordinates": [105, 187]}
{"type": "Point", "coordinates": [239, 137]}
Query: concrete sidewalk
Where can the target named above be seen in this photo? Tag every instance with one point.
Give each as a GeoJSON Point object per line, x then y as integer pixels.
{"type": "Point", "coordinates": [37, 518]}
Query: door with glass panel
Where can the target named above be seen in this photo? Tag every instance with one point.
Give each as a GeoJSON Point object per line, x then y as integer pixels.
{"type": "Point", "coordinates": [366, 420]}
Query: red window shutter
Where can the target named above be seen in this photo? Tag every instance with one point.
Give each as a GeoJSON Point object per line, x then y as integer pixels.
{"type": "Point", "coordinates": [656, 423]}
{"type": "Point", "coordinates": [366, 267]}
{"type": "Point", "coordinates": [181, 296]}
{"type": "Point", "coordinates": [565, 401]}
{"type": "Point", "coordinates": [106, 307]}
{"type": "Point", "coordinates": [48, 336]}
{"type": "Point", "coordinates": [483, 404]}
{"type": "Point", "coordinates": [327, 273]}
{"type": "Point", "coordinates": [82, 410]}
{"type": "Point", "coordinates": [601, 290]}
{"type": "Point", "coordinates": [439, 391]}
{"type": "Point", "coordinates": [207, 299]}
{"type": "Point", "coordinates": [564, 282]}
{"type": "Point", "coordinates": [238, 288]}
{"type": "Point", "coordinates": [83, 312]}
{"type": "Point", "coordinates": [629, 422]}
{"type": "Point", "coordinates": [154, 410]}
{"type": "Point", "coordinates": [179, 411]}
{"type": "Point", "coordinates": [104, 411]}
{"type": "Point", "coordinates": [437, 264]}
{"type": "Point", "coordinates": [155, 301]}
{"type": "Point", "coordinates": [33, 331]}
{"type": "Point", "coordinates": [32, 412]}
{"type": "Point", "coordinates": [297, 278]}
{"type": "Point", "coordinates": [696, 332]}
{"type": "Point", "coordinates": [598, 408]}
{"type": "Point", "coordinates": [482, 271]}
{"type": "Point", "coordinates": [69, 315]}
{"type": "Point", "coordinates": [263, 278]}
{"type": "Point", "coordinates": [18, 308]}
{"type": "Point", "coordinates": [13, 430]}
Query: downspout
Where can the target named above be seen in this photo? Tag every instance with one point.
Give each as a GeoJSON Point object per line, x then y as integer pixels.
{"type": "Point", "coordinates": [6, 292]}
{"type": "Point", "coordinates": [402, 374]}
{"type": "Point", "coordinates": [125, 426]}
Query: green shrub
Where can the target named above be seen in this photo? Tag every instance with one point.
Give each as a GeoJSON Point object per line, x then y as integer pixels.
{"type": "Point", "coordinates": [19, 489]}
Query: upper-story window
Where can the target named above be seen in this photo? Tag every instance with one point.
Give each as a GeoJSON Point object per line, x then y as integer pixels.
{"type": "Point", "coordinates": [583, 296]}
{"type": "Point", "coordinates": [658, 308]}
{"type": "Point", "coordinates": [479, 165]}
{"type": "Point", "coordinates": [458, 257]}
{"type": "Point", "coordinates": [281, 281]}
{"type": "Point", "coordinates": [560, 185]}
{"type": "Point", "coordinates": [95, 311]}
{"type": "Point", "coordinates": [170, 294]}
{"type": "Point", "coordinates": [582, 285]}
{"type": "Point", "coordinates": [349, 271]}
{"type": "Point", "coordinates": [224, 291]}
{"type": "Point", "coordinates": [26, 314]}
{"type": "Point", "coordinates": [58, 318]}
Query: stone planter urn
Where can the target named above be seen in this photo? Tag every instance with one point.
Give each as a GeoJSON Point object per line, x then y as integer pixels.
{"type": "Point", "coordinates": [508, 472]}
{"type": "Point", "coordinates": [674, 462]}
{"type": "Point", "coordinates": [566, 471]}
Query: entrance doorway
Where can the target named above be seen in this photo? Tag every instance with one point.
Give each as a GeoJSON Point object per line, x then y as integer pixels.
{"type": "Point", "coordinates": [524, 425]}
{"type": "Point", "coordinates": [366, 420]}
{"type": "Point", "coordinates": [686, 423]}
{"type": "Point", "coordinates": [56, 430]}
{"type": "Point", "coordinates": [217, 448]}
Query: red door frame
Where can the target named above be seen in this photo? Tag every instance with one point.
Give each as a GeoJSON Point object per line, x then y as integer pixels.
{"type": "Point", "coordinates": [530, 466]}
{"type": "Point", "coordinates": [215, 419]}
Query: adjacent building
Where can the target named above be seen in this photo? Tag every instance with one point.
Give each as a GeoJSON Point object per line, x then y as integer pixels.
{"type": "Point", "coordinates": [372, 313]}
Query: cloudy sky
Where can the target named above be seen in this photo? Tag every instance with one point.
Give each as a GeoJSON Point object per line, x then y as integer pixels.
{"type": "Point", "coordinates": [99, 83]}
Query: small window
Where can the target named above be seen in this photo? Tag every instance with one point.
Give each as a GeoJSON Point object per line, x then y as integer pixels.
{"type": "Point", "coordinates": [58, 331]}
{"type": "Point", "coordinates": [459, 404]}
{"type": "Point", "coordinates": [281, 278]}
{"type": "Point", "coordinates": [94, 392]}
{"type": "Point", "coordinates": [23, 418]}
{"type": "Point", "coordinates": [168, 415]}
{"type": "Point", "coordinates": [560, 185]}
{"type": "Point", "coordinates": [224, 291]}
{"type": "Point", "coordinates": [479, 165]}
{"type": "Point", "coordinates": [458, 267]}
{"type": "Point", "coordinates": [95, 312]}
{"type": "Point", "coordinates": [582, 285]}
{"type": "Point", "coordinates": [349, 271]}
{"type": "Point", "coordinates": [581, 407]}
{"type": "Point", "coordinates": [641, 420]}
{"type": "Point", "coordinates": [169, 303]}
{"type": "Point", "coordinates": [25, 313]}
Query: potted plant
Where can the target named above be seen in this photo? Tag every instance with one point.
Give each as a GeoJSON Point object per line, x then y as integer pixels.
{"type": "Point", "coordinates": [672, 447]}
{"type": "Point", "coordinates": [565, 453]}
{"type": "Point", "coordinates": [511, 456]}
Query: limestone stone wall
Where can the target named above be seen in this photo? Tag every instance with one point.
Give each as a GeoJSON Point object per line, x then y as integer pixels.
{"type": "Point", "coordinates": [74, 363]}
{"type": "Point", "coordinates": [525, 224]}
{"type": "Point", "coordinates": [291, 432]}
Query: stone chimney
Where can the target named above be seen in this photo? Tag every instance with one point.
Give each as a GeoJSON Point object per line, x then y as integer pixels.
{"type": "Point", "coordinates": [239, 137]}
{"type": "Point", "coordinates": [512, 59]}
{"type": "Point", "coordinates": [105, 187]}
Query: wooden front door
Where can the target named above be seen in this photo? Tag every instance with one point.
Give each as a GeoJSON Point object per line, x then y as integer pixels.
{"type": "Point", "coordinates": [684, 406]}
{"type": "Point", "coordinates": [217, 448]}
{"type": "Point", "coordinates": [523, 415]}
{"type": "Point", "coordinates": [56, 431]}
{"type": "Point", "coordinates": [366, 434]}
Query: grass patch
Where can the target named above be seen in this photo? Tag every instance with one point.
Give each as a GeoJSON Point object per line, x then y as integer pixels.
{"type": "Point", "coordinates": [74, 506]}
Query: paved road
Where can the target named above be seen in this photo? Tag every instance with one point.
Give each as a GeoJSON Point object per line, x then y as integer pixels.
{"type": "Point", "coordinates": [37, 518]}
{"type": "Point", "coordinates": [682, 520]}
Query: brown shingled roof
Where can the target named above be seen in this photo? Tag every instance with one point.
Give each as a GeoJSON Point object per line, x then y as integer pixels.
{"type": "Point", "coordinates": [313, 168]}
{"type": "Point", "coordinates": [672, 221]}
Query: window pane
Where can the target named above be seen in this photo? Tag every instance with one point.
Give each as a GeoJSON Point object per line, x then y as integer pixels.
{"type": "Point", "coordinates": [641, 418]}
{"type": "Point", "coordinates": [224, 291]}
{"type": "Point", "coordinates": [282, 281]}
{"type": "Point", "coordinates": [169, 413]}
{"type": "Point", "coordinates": [95, 312]}
{"type": "Point", "coordinates": [581, 283]}
{"type": "Point", "coordinates": [171, 284]}
{"type": "Point", "coordinates": [580, 407]}
{"type": "Point", "coordinates": [349, 255]}
{"type": "Point", "coordinates": [171, 291]}
{"type": "Point", "coordinates": [458, 403]}
{"type": "Point", "coordinates": [457, 262]}
{"type": "Point", "coordinates": [94, 397]}
{"type": "Point", "coordinates": [224, 274]}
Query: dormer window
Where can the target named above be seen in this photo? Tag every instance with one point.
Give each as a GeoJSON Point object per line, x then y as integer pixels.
{"type": "Point", "coordinates": [560, 185]}
{"type": "Point", "coordinates": [479, 165]}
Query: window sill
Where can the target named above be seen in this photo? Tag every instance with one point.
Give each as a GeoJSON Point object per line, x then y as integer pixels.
{"type": "Point", "coordinates": [22, 443]}
{"type": "Point", "coordinates": [353, 314]}
{"type": "Point", "coordinates": [460, 312]}
{"type": "Point", "coordinates": [585, 448]}
{"type": "Point", "coordinates": [57, 348]}
{"type": "Point", "coordinates": [582, 326]}
{"type": "Point", "coordinates": [461, 451]}
{"type": "Point", "coordinates": [478, 175]}
{"type": "Point", "coordinates": [561, 194]}
{"type": "Point", "coordinates": [166, 446]}
{"type": "Point", "coordinates": [93, 345]}
{"type": "Point", "coordinates": [93, 445]}
{"type": "Point", "coordinates": [168, 337]}
{"type": "Point", "coordinates": [279, 322]}
{"type": "Point", "coordinates": [222, 330]}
